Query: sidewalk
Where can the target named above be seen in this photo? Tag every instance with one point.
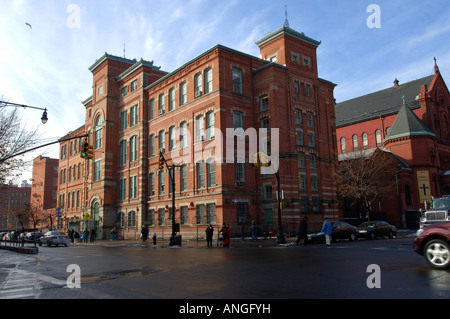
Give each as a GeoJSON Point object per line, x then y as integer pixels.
{"type": "Point", "coordinates": [236, 242]}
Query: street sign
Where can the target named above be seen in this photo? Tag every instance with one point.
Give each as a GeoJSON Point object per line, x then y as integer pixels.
{"type": "Point", "coordinates": [87, 216]}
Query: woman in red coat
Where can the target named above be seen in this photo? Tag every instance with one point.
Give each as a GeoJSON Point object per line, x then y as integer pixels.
{"type": "Point", "coordinates": [226, 233]}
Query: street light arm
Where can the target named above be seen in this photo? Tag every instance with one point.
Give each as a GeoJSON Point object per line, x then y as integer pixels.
{"type": "Point", "coordinates": [21, 105]}
{"type": "Point", "coordinates": [35, 148]}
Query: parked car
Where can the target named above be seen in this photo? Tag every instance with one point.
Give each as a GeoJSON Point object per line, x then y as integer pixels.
{"type": "Point", "coordinates": [374, 229]}
{"type": "Point", "coordinates": [31, 236]}
{"type": "Point", "coordinates": [433, 242]}
{"type": "Point", "coordinates": [54, 238]}
{"type": "Point", "coordinates": [340, 230]}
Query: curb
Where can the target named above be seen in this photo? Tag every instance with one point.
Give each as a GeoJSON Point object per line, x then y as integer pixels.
{"type": "Point", "coordinates": [21, 250]}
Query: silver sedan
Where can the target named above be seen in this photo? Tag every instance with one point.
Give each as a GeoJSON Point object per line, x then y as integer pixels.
{"type": "Point", "coordinates": [54, 238]}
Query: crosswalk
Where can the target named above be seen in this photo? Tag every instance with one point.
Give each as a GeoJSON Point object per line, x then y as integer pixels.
{"type": "Point", "coordinates": [20, 284]}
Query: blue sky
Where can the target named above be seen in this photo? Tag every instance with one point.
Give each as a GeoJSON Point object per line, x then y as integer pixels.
{"type": "Point", "coordinates": [47, 65]}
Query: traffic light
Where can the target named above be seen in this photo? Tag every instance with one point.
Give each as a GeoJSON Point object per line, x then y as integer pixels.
{"type": "Point", "coordinates": [87, 151]}
{"type": "Point", "coordinates": [161, 161]}
{"type": "Point", "coordinates": [260, 159]}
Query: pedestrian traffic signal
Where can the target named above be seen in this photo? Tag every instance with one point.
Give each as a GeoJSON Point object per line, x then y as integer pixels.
{"type": "Point", "coordinates": [161, 161]}
{"type": "Point", "coordinates": [87, 151]}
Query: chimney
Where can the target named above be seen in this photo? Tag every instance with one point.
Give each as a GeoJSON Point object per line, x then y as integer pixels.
{"type": "Point", "coordinates": [395, 83]}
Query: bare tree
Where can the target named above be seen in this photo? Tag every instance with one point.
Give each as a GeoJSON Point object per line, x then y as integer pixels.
{"type": "Point", "coordinates": [15, 137]}
{"type": "Point", "coordinates": [365, 179]}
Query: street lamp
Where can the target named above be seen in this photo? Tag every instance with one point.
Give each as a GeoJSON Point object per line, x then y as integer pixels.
{"type": "Point", "coordinates": [44, 117]}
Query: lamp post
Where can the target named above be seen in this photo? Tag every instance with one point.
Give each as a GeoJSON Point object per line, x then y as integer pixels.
{"type": "Point", "coordinates": [174, 238]}
{"type": "Point", "coordinates": [44, 117]}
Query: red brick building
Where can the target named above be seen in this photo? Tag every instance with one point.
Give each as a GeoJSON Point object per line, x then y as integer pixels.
{"type": "Point", "coordinates": [412, 121]}
{"type": "Point", "coordinates": [44, 184]}
{"type": "Point", "coordinates": [136, 110]}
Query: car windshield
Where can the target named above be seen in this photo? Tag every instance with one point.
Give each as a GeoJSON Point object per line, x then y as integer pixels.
{"type": "Point", "coordinates": [441, 203]}
{"type": "Point", "coordinates": [53, 233]}
{"type": "Point", "coordinates": [367, 224]}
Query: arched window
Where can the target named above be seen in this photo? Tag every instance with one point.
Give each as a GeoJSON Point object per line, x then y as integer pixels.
{"type": "Point", "coordinates": [378, 137]}
{"type": "Point", "coordinates": [98, 132]}
{"type": "Point", "coordinates": [343, 148]}
{"type": "Point", "coordinates": [131, 219]}
{"type": "Point", "coordinates": [355, 142]}
{"type": "Point", "coordinates": [365, 141]}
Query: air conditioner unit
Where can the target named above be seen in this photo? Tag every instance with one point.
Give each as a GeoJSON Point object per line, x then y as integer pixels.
{"type": "Point", "coordinates": [198, 94]}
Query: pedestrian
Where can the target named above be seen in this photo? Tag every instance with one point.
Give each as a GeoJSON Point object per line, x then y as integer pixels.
{"type": "Point", "coordinates": [93, 233]}
{"type": "Point", "coordinates": [86, 235]}
{"type": "Point", "coordinates": [144, 233]}
{"type": "Point", "coordinates": [114, 233]}
{"type": "Point", "coordinates": [303, 231]}
{"type": "Point", "coordinates": [154, 239]}
{"type": "Point", "coordinates": [71, 235]}
{"type": "Point", "coordinates": [76, 236]}
{"type": "Point", "coordinates": [226, 233]}
{"type": "Point", "coordinates": [209, 235]}
{"type": "Point", "coordinates": [326, 229]}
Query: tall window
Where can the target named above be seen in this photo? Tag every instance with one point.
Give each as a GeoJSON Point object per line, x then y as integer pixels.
{"type": "Point", "coordinates": [209, 125]}
{"type": "Point", "coordinates": [378, 137]}
{"type": "Point", "coordinates": [198, 82]}
{"type": "Point", "coordinates": [237, 80]}
{"type": "Point", "coordinates": [123, 152]}
{"type": "Point", "coordinates": [343, 148]}
{"type": "Point", "coordinates": [355, 142]}
{"type": "Point", "coordinates": [133, 148]}
{"type": "Point", "coordinates": [97, 169]}
{"type": "Point", "coordinates": [161, 104]}
{"type": "Point", "coordinates": [183, 178]}
{"type": "Point", "coordinates": [299, 137]}
{"type": "Point", "coordinates": [123, 120]}
{"type": "Point", "coordinates": [131, 219]}
{"type": "Point", "coordinates": [183, 135]}
{"type": "Point", "coordinates": [183, 93]}
{"type": "Point", "coordinates": [199, 128]}
{"type": "Point", "coordinates": [133, 115]}
{"type": "Point", "coordinates": [171, 99]}
{"type": "Point", "coordinates": [239, 173]}
{"type": "Point", "coordinates": [200, 175]}
{"type": "Point", "coordinates": [208, 81]}
{"type": "Point", "coordinates": [133, 187]}
{"type": "Point", "coordinates": [201, 214]}
{"type": "Point", "coordinates": [264, 102]}
{"type": "Point", "coordinates": [162, 140]}
{"type": "Point", "coordinates": [211, 213]}
{"type": "Point", "coordinates": [161, 182]}
{"type": "Point", "coordinates": [151, 184]}
{"type": "Point", "coordinates": [172, 138]}
{"type": "Point", "coordinates": [365, 141]}
{"type": "Point", "coordinates": [152, 109]}
{"type": "Point", "coordinates": [122, 188]}
{"type": "Point", "coordinates": [310, 119]}
{"type": "Point", "coordinates": [98, 132]}
{"type": "Point", "coordinates": [152, 145]}
{"type": "Point", "coordinates": [211, 166]}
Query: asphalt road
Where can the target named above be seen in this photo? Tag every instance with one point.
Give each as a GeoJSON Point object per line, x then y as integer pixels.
{"type": "Point", "coordinates": [365, 269]}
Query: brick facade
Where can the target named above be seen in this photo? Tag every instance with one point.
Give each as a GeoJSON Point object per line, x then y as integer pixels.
{"type": "Point", "coordinates": [136, 109]}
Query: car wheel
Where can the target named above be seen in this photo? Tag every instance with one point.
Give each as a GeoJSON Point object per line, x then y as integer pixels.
{"type": "Point", "coordinates": [391, 235]}
{"type": "Point", "coordinates": [372, 235]}
{"type": "Point", "coordinates": [352, 237]}
{"type": "Point", "coordinates": [437, 253]}
{"type": "Point", "coordinates": [49, 244]}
